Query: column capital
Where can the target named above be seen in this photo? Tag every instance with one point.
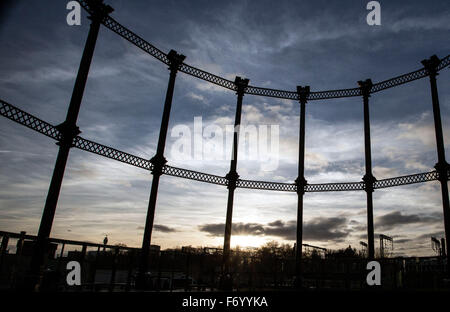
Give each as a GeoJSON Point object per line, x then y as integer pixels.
{"type": "Point", "coordinates": [303, 93]}
{"type": "Point", "coordinates": [175, 60]}
{"type": "Point", "coordinates": [241, 84]}
{"type": "Point", "coordinates": [365, 87]}
{"type": "Point", "coordinates": [99, 9]}
{"type": "Point", "coordinates": [232, 178]}
{"type": "Point", "coordinates": [301, 183]}
{"type": "Point", "coordinates": [431, 64]}
{"type": "Point", "coordinates": [68, 133]}
{"type": "Point", "coordinates": [369, 180]}
{"type": "Point", "coordinates": [443, 169]}
{"type": "Point", "coordinates": [158, 161]}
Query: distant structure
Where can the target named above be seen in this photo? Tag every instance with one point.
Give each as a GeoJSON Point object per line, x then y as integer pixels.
{"type": "Point", "coordinates": [105, 242]}
{"type": "Point", "coordinates": [310, 249]}
{"type": "Point", "coordinates": [363, 248]}
{"type": "Point", "coordinates": [386, 245]}
{"type": "Point", "coordinates": [438, 246]}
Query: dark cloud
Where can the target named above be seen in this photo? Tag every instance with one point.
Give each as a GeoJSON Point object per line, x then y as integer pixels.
{"type": "Point", "coordinates": [163, 228]}
{"type": "Point", "coordinates": [160, 228]}
{"type": "Point", "coordinates": [429, 235]}
{"type": "Point", "coordinates": [217, 229]}
{"type": "Point", "coordinates": [213, 229]}
{"type": "Point", "coordinates": [248, 229]}
{"type": "Point", "coordinates": [402, 240]}
{"type": "Point", "coordinates": [323, 229]}
{"type": "Point", "coordinates": [318, 229]}
{"type": "Point", "coordinates": [276, 223]}
{"type": "Point", "coordinates": [396, 218]}
{"type": "Point", "coordinates": [283, 230]}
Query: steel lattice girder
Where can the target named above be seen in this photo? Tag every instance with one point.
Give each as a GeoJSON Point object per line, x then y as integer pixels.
{"type": "Point", "coordinates": [112, 153]}
{"type": "Point", "coordinates": [194, 175]}
{"type": "Point", "coordinates": [127, 34]}
{"type": "Point", "coordinates": [15, 114]}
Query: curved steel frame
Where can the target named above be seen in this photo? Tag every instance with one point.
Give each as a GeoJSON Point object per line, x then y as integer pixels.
{"type": "Point", "coordinates": [139, 42]}
{"type": "Point", "coordinates": [67, 135]}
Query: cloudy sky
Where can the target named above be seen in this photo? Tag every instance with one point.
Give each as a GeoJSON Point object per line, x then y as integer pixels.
{"type": "Point", "coordinates": [276, 44]}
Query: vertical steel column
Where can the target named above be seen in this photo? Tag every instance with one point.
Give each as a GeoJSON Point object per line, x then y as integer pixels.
{"type": "Point", "coordinates": [60, 257]}
{"type": "Point", "coordinates": [113, 269]}
{"type": "Point", "coordinates": [442, 166]}
{"type": "Point", "coordinates": [158, 161]}
{"type": "Point", "coordinates": [62, 251]}
{"type": "Point", "coordinates": [131, 253]}
{"type": "Point", "coordinates": [83, 254]}
{"type": "Point", "coordinates": [381, 247]}
{"type": "Point", "coordinates": [18, 260]}
{"type": "Point", "coordinates": [368, 178]}
{"type": "Point", "coordinates": [232, 176]}
{"type": "Point", "coordinates": [303, 93]}
{"type": "Point", "coordinates": [69, 131]}
{"type": "Point", "coordinates": [3, 249]}
{"type": "Point", "coordinates": [82, 260]}
{"type": "Point", "coordinates": [443, 249]}
{"type": "Point", "coordinates": [93, 268]}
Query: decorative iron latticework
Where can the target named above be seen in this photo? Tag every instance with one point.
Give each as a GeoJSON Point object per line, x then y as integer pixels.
{"type": "Point", "coordinates": [15, 114]}
{"type": "Point", "coordinates": [408, 179]}
{"type": "Point", "coordinates": [112, 153]}
{"type": "Point", "coordinates": [194, 175]}
{"type": "Point", "coordinates": [141, 43]}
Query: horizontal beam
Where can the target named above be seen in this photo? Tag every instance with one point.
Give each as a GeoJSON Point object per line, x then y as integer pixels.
{"type": "Point", "coordinates": [139, 42]}
{"type": "Point", "coordinates": [15, 114]}
{"type": "Point", "coordinates": [65, 241]}
{"type": "Point", "coordinates": [112, 153]}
